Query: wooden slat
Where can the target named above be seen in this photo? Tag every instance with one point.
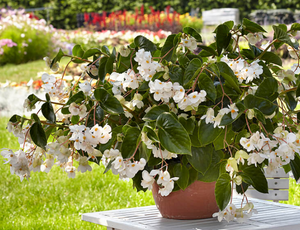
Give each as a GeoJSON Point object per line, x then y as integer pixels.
{"type": "Point", "coordinates": [278, 173]}
{"type": "Point", "coordinates": [278, 183]}
{"type": "Point", "coordinates": [272, 195]}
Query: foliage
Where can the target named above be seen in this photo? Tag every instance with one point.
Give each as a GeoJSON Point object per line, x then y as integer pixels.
{"type": "Point", "coordinates": [62, 14]}
{"type": "Point", "coordinates": [33, 38]}
{"type": "Point", "coordinates": [153, 112]}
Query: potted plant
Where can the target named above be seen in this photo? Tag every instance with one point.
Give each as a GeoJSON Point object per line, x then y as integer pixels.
{"type": "Point", "coordinates": [167, 117]}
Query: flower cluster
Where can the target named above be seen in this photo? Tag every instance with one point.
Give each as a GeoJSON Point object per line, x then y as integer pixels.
{"type": "Point", "coordinates": [243, 71]}
{"type": "Point", "coordinates": [6, 42]}
{"type": "Point", "coordinates": [157, 113]}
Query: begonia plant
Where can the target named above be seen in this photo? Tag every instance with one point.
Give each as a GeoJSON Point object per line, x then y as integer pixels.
{"type": "Point", "coordinates": [162, 113]}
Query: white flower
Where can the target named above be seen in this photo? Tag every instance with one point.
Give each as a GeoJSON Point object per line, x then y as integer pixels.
{"type": "Point", "coordinates": [124, 51]}
{"type": "Point", "coordinates": [233, 110]}
{"type": "Point", "coordinates": [84, 164]}
{"type": "Point", "coordinates": [167, 183]}
{"type": "Point", "coordinates": [147, 181]}
{"type": "Point", "coordinates": [209, 116]}
{"type": "Point", "coordinates": [85, 87]}
{"type": "Point", "coordinates": [189, 43]}
{"type": "Point", "coordinates": [253, 38]}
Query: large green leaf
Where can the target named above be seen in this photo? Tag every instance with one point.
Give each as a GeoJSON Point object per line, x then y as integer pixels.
{"type": "Point", "coordinates": [282, 36]}
{"type": "Point", "coordinates": [195, 136]}
{"type": "Point", "coordinates": [207, 133]}
{"type": "Point", "coordinates": [227, 73]}
{"type": "Point", "coordinates": [91, 52]}
{"type": "Point", "coordinates": [201, 158]}
{"type": "Point", "coordinates": [256, 174]}
{"type": "Point", "coordinates": [252, 27]}
{"type": "Point", "coordinates": [213, 172]}
{"type": "Point", "coordinates": [166, 49]}
{"type": "Point", "coordinates": [77, 51]}
{"type": "Point", "coordinates": [176, 74]}
{"type": "Point", "coordinates": [223, 190]}
{"type": "Point", "coordinates": [154, 112]}
{"type": "Point", "coordinates": [295, 166]}
{"type": "Point", "coordinates": [189, 73]}
{"type": "Point", "coordinates": [223, 37]}
{"type": "Point", "coordinates": [268, 89]}
{"type": "Point", "coordinates": [172, 135]}
{"type": "Point", "coordinates": [207, 84]}
{"type": "Point", "coordinates": [57, 58]}
{"type": "Point", "coordinates": [130, 142]}
{"type": "Point", "coordinates": [48, 112]}
{"type": "Point", "coordinates": [291, 101]}
{"type": "Point", "coordinates": [38, 135]}
{"type": "Point", "coordinates": [144, 43]}
{"type": "Point", "coordinates": [209, 50]}
{"type": "Point", "coordinates": [181, 171]}
{"type": "Point", "coordinates": [219, 142]}
{"type": "Point", "coordinates": [262, 104]}
{"type": "Point", "coordinates": [109, 64]}
{"type": "Point", "coordinates": [108, 102]}
{"type": "Point", "coordinates": [271, 57]}
{"type": "Point", "coordinates": [188, 124]}
{"type": "Point", "coordinates": [192, 32]}
{"type": "Point", "coordinates": [101, 69]}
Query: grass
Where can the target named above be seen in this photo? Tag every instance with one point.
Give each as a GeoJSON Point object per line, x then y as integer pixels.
{"type": "Point", "coordinates": [54, 201]}
{"type": "Point", "coordinates": [23, 72]}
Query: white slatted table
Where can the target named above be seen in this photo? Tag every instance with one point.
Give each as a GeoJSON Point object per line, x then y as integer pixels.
{"type": "Point", "coordinates": [270, 216]}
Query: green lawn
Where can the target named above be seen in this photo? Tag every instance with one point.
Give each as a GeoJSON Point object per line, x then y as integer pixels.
{"type": "Point", "coordinates": [54, 201]}
{"type": "Point", "coordinates": [23, 72]}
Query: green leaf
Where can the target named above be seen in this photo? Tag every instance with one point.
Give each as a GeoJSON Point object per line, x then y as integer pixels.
{"type": "Point", "coordinates": [91, 52]}
{"type": "Point", "coordinates": [95, 116]}
{"type": "Point", "coordinates": [207, 133]}
{"type": "Point", "coordinates": [181, 171]}
{"type": "Point", "coordinates": [157, 75]}
{"type": "Point", "coordinates": [201, 158]}
{"type": "Point", "coordinates": [129, 144]}
{"type": "Point", "coordinates": [193, 33]}
{"type": "Point", "coordinates": [189, 74]}
{"type": "Point", "coordinates": [75, 119]}
{"type": "Point", "coordinates": [57, 58]}
{"type": "Point", "coordinates": [268, 89]}
{"type": "Point", "coordinates": [227, 73]}
{"type": "Point", "coordinates": [256, 174]}
{"type": "Point", "coordinates": [176, 74]}
{"type": "Point", "coordinates": [219, 142]}
{"type": "Point", "coordinates": [208, 50]}
{"type": "Point", "coordinates": [259, 115]}
{"type": "Point", "coordinates": [207, 84]}
{"type": "Point", "coordinates": [155, 111]}
{"type": "Point", "coordinates": [271, 57]}
{"type": "Point", "coordinates": [223, 37]}
{"type": "Point", "coordinates": [150, 134]}
{"type": "Point", "coordinates": [15, 118]}
{"type": "Point", "coordinates": [195, 137]}
{"type": "Point", "coordinates": [172, 135]}
{"type": "Point", "coordinates": [38, 135]}
{"type": "Point", "coordinates": [110, 62]}
{"type": "Point", "coordinates": [229, 24]}
{"type": "Point", "coordinates": [144, 43]}
{"type": "Point", "coordinates": [188, 124]}
{"type": "Point", "coordinates": [108, 102]}
{"type": "Point", "coordinates": [252, 26]}
{"type": "Point", "coordinates": [105, 50]}
{"type": "Point", "coordinates": [101, 69]}
{"type": "Point", "coordinates": [77, 98]}
{"type": "Point", "coordinates": [213, 172]}
{"type": "Point", "coordinates": [282, 36]}
{"type": "Point", "coordinates": [168, 49]}
{"type": "Point", "coordinates": [223, 191]}
{"type": "Point", "coordinates": [295, 27]}
{"type": "Point", "coordinates": [48, 112]}
{"type": "Point", "coordinates": [215, 69]}
{"type": "Point", "coordinates": [77, 51]}
{"type": "Point", "coordinates": [291, 101]}
{"type": "Point", "coordinates": [295, 166]}
{"type": "Point", "coordinates": [262, 104]}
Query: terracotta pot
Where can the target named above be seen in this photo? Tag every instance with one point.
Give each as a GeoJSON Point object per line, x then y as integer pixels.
{"type": "Point", "coordinates": [195, 202]}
